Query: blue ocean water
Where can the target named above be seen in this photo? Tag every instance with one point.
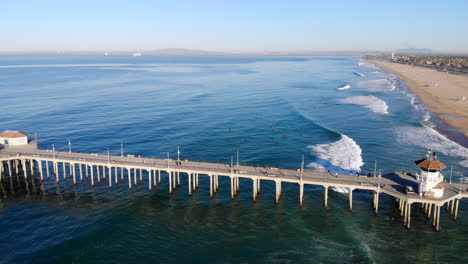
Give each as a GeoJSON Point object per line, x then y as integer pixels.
{"type": "Point", "coordinates": [274, 109]}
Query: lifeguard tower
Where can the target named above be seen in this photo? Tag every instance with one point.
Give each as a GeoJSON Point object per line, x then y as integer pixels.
{"type": "Point", "coordinates": [430, 179]}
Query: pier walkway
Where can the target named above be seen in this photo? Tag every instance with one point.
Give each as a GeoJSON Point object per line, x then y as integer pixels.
{"type": "Point", "coordinates": [28, 160]}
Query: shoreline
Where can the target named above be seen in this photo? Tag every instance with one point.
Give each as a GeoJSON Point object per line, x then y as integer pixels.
{"type": "Point", "coordinates": [440, 92]}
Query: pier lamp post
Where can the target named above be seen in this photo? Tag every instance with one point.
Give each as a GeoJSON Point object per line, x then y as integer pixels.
{"type": "Point", "coordinates": [108, 156]}
{"type": "Point", "coordinates": [461, 182]}
{"type": "Point", "coordinates": [375, 168]}
{"type": "Point", "coordinates": [232, 163]}
{"type": "Point", "coordinates": [168, 159]}
{"type": "Point", "coordinates": [69, 145]}
{"type": "Point", "coordinates": [378, 184]}
{"type": "Point", "coordinates": [237, 156]}
{"type": "Point", "coordinates": [53, 150]}
{"type": "Point", "coordinates": [302, 166]}
{"type": "Point", "coordinates": [451, 171]}
{"type": "Point", "coordinates": [121, 149]}
{"type": "Point", "coordinates": [178, 153]}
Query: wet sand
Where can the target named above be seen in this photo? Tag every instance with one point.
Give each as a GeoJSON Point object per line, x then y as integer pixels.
{"type": "Point", "coordinates": [440, 91]}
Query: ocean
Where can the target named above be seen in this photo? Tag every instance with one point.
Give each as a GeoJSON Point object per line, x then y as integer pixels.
{"type": "Point", "coordinates": [272, 109]}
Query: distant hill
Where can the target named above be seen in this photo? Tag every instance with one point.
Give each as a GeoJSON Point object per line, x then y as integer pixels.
{"type": "Point", "coordinates": [176, 51]}
{"type": "Point", "coordinates": [415, 50]}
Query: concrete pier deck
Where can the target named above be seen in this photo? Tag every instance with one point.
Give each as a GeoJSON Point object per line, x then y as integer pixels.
{"type": "Point", "coordinates": [16, 159]}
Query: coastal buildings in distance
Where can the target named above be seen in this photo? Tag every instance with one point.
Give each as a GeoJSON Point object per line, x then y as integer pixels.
{"type": "Point", "coordinates": [446, 63]}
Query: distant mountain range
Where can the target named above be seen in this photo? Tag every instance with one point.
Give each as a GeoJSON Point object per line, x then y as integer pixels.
{"type": "Point", "coordinates": [415, 50]}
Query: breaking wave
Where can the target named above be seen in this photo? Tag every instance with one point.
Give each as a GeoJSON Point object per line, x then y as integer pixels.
{"type": "Point", "coordinates": [429, 138]}
{"type": "Point", "coordinates": [342, 155]}
{"type": "Point", "coordinates": [375, 104]}
{"type": "Point", "coordinates": [378, 85]}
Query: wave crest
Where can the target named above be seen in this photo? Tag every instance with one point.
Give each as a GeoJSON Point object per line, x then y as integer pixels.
{"type": "Point", "coordinates": [373, 103]}
{"type": "Point", "coordinates": [429, 138]}
{"type": "Point", "coordinates": [344, 154]}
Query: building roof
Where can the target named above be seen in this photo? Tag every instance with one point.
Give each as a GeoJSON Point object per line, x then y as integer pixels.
{"type": "Point", "coordinates": [431, 163]}
{"type": "Point", "coordinates": [12, 134]}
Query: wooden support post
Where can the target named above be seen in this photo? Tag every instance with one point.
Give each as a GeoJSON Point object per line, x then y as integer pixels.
{"type": "Point", "coordinates": [174, 179]}
{"type": "Point", "coordinates": [154, 177]}
{"type": "Point", "coordinates": [159, 176]}
{"type": "Point", "coordinates": [134, 176]}
{"type": "Point", "coordinates": [103, 172]}
{"type": "Point", "coordinates": [429, 208]}
{"type": "Point", "coordinates": [73, 174]}
{"type": "Point", "coordinates": [116, 175]}
{"type": "Point", "coordinates": [406, 213]}
{"type": "Point", "coordinates": [121, 174]}
{"type": "Point", "coordinates": [87, 172]}
{"type": "Point", "coordinates": [189, 179]}
{"type": "Point", "coordinates": [254, 189]}
{"type": "Point", "coordinates": [56, 172]}
{"type": "Point", "coordinates": [41, 172]}
{"type": "Point", "coordinates": [350, 199]}
{"type": "Point", "coordinates": [438, 219]}
{"type": "Point", "coordinates": [129, 178]}
{"type": "Point", "coordinates": [408, 222]}
{"type": "Point", "coordinates": [402, 207]}
{"type": "Point", "coordinates": [278, 190]}
{"type": "Point", "coordinates": [47, 169]}
{"type": "Point", "coordinates": [92, 174]}
{"type": "Point", "coordinates": [170, 181]}
{"type": "Point", "coordinates": [376, 206]}
{"type": "Point", "coordinates": [1, 170]}
{"type": "Point", "coordinates": [237, 184]}
{"type": "Point", "coordinates": [150, 176]}
{"type": "Point", "coordinates": [25, 170]}
{"type": "Point", "coordinates": [232, 186]}
{"type": "Point", "coordinates": [10, 165]}
{"type": "Point", "coordinates": [301, 193]}
{"type": "Point", "coordinates": [64, 167]}
{"type": "Point", "coordinates": [434, 219]}
{"type": "Point", "coordinates": [98, 173]}
{"type": "Point", "coordinates": [325, 202]}
{"type": "Point", "coordinates": [141, 176]}
{"type": "Point", "coordinates": [110, 176]}
{"type": "Point", "coordinates": [455, 213]}
{"type": "Point", "coordinates": [81, 171]}
{"type": "Point", "coordinates": [31, 167]}
{"type": "Point", "coordinates": [211, 185]}
{"type": "Point", "coordinates": [194, 181]}
{"type": "Point", "coordinates": [453, 206]}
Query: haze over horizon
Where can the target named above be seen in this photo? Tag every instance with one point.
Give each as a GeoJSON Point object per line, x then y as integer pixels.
{"type": "Point", "coordinates": [234, 26]}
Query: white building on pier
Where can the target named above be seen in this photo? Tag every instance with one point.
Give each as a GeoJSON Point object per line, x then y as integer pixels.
{"type": "Point", "coordinates": [430, 179]}
{"type": "Point", "coordinates": [13, 138]}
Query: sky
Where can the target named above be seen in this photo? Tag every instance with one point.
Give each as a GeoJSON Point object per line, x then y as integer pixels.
{"type": "Point", "coordinates": [233, 26]}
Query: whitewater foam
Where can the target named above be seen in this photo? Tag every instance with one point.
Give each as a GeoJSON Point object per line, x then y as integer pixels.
{"type": "Point", "coordinates": [373, 103]}
{"type": "Point", "coordinates": [343, 154]}
{"type": "Point", "coordinates": [429, 138]}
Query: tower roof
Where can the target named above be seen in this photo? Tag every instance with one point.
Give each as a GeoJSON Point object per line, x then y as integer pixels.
{"type": "Point", "coordinates": [431, 163]}
{"type": "Point", "coordinates": [12, 134]}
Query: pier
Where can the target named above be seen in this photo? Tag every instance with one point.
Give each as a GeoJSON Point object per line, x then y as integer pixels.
{"type": "Point", "coordinates": [29, 161]}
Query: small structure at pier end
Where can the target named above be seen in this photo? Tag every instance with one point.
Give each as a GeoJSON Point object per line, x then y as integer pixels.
{"type": "Point", "coordinates": [430, 179]}
{"type": "Point", "coordinates": [13, 138]}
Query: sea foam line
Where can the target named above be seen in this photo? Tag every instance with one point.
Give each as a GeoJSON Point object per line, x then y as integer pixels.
{"type": "Point", "coordinates": [371, 102]}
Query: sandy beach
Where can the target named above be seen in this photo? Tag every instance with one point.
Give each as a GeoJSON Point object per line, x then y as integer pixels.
{"type": "Point", "coordinates": [441, 92]}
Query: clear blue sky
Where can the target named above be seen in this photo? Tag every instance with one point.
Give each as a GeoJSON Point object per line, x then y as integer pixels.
{"type": "Point", "coordinates": [225, 25]}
